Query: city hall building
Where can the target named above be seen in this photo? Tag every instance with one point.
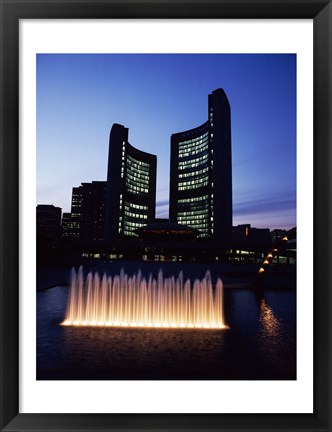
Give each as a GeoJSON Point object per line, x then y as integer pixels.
{"type": "Point", "coordinates": [131, 187]}
{"type": "Point", "coordinates": [200, 200]}
{"type": "Point", "coordinates": [201, 174]}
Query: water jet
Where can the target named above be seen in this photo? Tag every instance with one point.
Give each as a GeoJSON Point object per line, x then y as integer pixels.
{"type": "Point", "coordinates": [136, 301]}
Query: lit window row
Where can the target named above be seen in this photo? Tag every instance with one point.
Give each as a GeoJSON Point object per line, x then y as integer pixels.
{"type": "Point", "coordinates": [194, 173]}
{"type": "Point", "coordinates": [193, 179]}
{"type": "Point", "coordinates": [193, 163]}
{"type": "Point", "coordinates": [193, 219]}
{"type": "Point", "coordinates": [204, 212]}
{"type": "Point", "coordinates": [137, 173]}
{"type": "Point", "coordinates": [195, 199]}
{"type": "Point", "coordinates": [129, 233]}
{"type": "Point", "coordinates": [194, 149]}
{"type": "Point", "coordinates": [183, 144]}
{"type": "Point", "coordinates": [137, 178]}
{"type": "Point", "coordinates": [198, 225]}
{"type": "Point", "coordinates": [132, 215]}
{"type": "Point", "coordinates": [200, 151]}
{"type": "Point", "coordinates": [136, 189]}
{"type": "Point", "coordinates": [133, 225]}
{"type": "Point", "coordinates": [136, 206]}
{"type": "Point", "coordinates": [204, 227]}
{"type": "Point", "coordinates": [189, 145]}
{"type": "Point", "coordinates": [129, 227]}
{"type": "Point", "coordinates": [194, 210]}
{"type": "Point", "coordinates": [141, 164]}
{"type": "Point", "coordinates": [136, 168]}
{"type": "Point", "coordinates": [193, 184]}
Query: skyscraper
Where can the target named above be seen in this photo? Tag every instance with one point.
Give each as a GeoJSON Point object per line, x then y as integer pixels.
{"type": "Point", "coordinates": [131, 187]}
{"type": "Point", "coordinates": [201, 174]}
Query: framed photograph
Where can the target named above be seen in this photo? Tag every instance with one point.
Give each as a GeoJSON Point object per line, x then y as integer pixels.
{"type": "Point", "coordinates": [165, 217]}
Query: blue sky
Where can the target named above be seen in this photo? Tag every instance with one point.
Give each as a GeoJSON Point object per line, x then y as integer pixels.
{"type": "Point", "coordinates": [80, 96]}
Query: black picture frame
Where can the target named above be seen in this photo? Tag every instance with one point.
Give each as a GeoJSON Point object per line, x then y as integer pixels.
{"type": "Point", "coordinates": [14, 10]}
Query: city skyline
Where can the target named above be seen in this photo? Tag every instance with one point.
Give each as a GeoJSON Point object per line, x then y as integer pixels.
{"type": "Point", "coordinates": [79, 97]}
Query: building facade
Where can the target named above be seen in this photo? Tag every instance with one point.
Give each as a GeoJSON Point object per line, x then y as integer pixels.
{"type": "Point", "coordinates": [131, 187]}
{"type": "Point", "coordinates": [201, 174]}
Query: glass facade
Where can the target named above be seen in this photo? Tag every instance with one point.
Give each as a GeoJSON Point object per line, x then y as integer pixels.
{"type": "Point", "coordinates": [192, 179]}
{"type": "Point", "coordinates": [201, 174]}
{"type": "Point", "coordinates": [131, 187]}
{"type": "Point", "coordinates": [137, 176]}
{"type": "Point", "coordinates": [136, 173]}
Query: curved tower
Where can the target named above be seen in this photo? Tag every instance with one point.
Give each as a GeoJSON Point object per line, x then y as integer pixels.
{"type": "Point", "coordinates": [131, 187]}
{"type": "Point", "coordinates": [201, 174]}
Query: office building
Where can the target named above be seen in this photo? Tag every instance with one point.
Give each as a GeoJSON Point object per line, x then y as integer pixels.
{"type": "Point", "coordinates": [131, 187]}
{"type": "Point", "coordinates": [201, 174]}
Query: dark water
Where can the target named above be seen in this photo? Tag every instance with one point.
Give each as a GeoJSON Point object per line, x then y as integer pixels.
{"type": "Point", "coordinates": [260, 344]}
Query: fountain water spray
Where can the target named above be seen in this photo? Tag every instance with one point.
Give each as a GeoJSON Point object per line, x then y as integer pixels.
{"type": "Point", "coordinates": [139, 302]}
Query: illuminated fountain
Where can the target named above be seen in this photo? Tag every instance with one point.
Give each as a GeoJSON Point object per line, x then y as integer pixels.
{"type": "Point", "coordinates": [139, 302]}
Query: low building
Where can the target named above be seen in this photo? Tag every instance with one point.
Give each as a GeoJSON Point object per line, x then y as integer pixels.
{"type": "Point", "coordinates": [48, 222]}
{"type": "Point", "coordinates": [246, 237]}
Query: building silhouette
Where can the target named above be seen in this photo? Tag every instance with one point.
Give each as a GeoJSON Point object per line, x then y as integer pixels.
{"type": "Point", "coordinates": [48, 222]}
{"type": "Point", "coordinates": [201, 174]}
{"type": "Point", "coordinates": [277, 234]}
{"type": "Point", "coordinates": [87, 218]}
{"type": "Point", "coordinates": [247, 237]}
{"type": "Point", "coordinates": [93, 210]}
{"type": "Point", "coordinates": [76, 211]}
{"type": "Point", "coordinates": [131, 187]}
{"type": "Point", "coordinates": [119, 214]}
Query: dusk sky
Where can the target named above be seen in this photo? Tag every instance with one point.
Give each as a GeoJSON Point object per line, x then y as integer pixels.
{"type": "Point", "coordinates": [79, 97]}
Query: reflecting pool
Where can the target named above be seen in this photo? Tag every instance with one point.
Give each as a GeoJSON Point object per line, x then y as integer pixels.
{"type": "Point", "coordinates": [259, 344]}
